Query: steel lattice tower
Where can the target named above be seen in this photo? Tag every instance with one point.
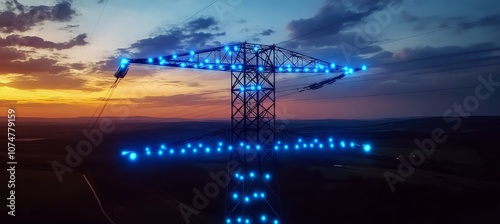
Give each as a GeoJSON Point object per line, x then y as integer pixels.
{"type": "Point", "coordinates": [253, 191]}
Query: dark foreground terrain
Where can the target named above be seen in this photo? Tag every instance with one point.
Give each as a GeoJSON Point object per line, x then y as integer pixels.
{"type": "Point", "coordinates": [458, 183]}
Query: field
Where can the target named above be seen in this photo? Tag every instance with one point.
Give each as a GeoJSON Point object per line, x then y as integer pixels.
{"type": "Point", "coordinates": [458, 183]}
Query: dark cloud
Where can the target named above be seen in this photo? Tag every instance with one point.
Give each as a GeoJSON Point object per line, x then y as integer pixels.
{"type": "Point", "coordinates": [330, 20]}
{"type": "Point", "coordinates": [40, 43]}
{"type": "Point", "coordinates": [10, 54]}
{"type": "Point", "coordinates": [267, 32]}
{"type": "Point", "coordinates": [18, 17]}
{"type": "Point", "coordinates": [100, 1]}
{"type": "Point", "coordinates": [69, 27]}
{"type": "Point", "coordinates": [242, 21]}
{"type": "Point", "coordinates": [200, 24]}
{"type": "Point", "coordinates": [50, 81]}
{"type": "Point", "coordinates": [180, 39]}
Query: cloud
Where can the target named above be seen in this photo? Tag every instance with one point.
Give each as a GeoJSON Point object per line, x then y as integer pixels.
{"type": "Point", "coordinates": [333, 18]}
{"type": "Point", "coordinates": [18, 17]}
{"type": "Point", "coordinates": [267, 32]}
{"type": "Point", "coordinates": [180, 39]}
{"type": "Point", "coordinates": [50, 81]}
{"type": "Point", "coordinates": [40, 43]}
{"type": "Point", "coordinates": [200, 24]}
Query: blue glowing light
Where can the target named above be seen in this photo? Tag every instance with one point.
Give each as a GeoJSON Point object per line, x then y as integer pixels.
{"type": "Point", "coordinates": [219, 150]}
{"type": "Point", "coordinates": [322, 67]}
{"type": "Point", "coordinates": [240, 67]}
{"type": "Point", "coordinates": [124, 61]}
{"type": "Point", "coordinates": [160, 152]}
{"type": "Point", "coordinates": [306, 69]}
{"type": "Point", "coordinates": [332, 145]}
{"type": "Point", "coordinates": [280, 69]}
{"type": "Point", "coordinates": [201, 64]}
{"type": "Point", "coordinates": [316, 140]}
{"type": "Point", "coordinates": [217, 61]}
{"type": "Point", "coordinates": [237, 175]}
{"type": "Point", "coordinates": [261, 69]}
{"type": "Point", "coordinates": [275, 221]}
{"type": "Point", "coordinates": [259, 87]}
{"type": "Point", "coordinates": [315, 70]}
{"type": "Point", "coordinates": [233, 67]}
{"type": "Point", "coordinates": [320, 146]}
{"type": "Point", "coordinates": [195, 150]}
{"type": "Point", "coordinates": [300, 140]}
{"type": "Point", "coordinates": [150, 60]}
{"type": "Point", "coordinates": [133, 156]}
{"type": "Point", "coordinates": [342, 143]}
{"type": "Point", "coordinates": [189, 145]}
{"type": "Point", "coordinates": [230, 148]}
{"type": "Point", "coordinates": [330, 139]}
{"type": "Point", "coordinates": [147, 148]}
{"type": "Point", "coordinates": [183, 151]}
{"type": "Point", "coordinates": [297, 70]}
{"type": "Point", "coordinates": [252, 174]}
{"type": "Point", "coordinates": [241, 177]}
{"type": "Point", "coordinates": [183, 65]}
{"type": "Point", "coordinates": [163, 147]}
{"type": "Point", "coordinates": [262, 195]}
{"type": "Point", "coordinates": [226, 48]}
{"type": "Point", "coordinates": [304, 145]}
{"type": "Point", "coordinates": [367, 148]}
{"type": "Point", "coordinates": [210, 67]}
{"type": "Point", "coordinates": [239, 219]}
{"type": "Point", "coordinates": [286, 147]}
{"type": "Point", "coordinates": [332, 65]}
{"type": "Point", "coordinates": [207, 150]}
{"type": "Point", "coordinates": [289, 69]}
{"type": "Point", "coordinates": [257, 147]}
{"type": "Point", "coordinates": [125, 153]}
{"type": "Point", "coordinates": [235, 48]}
{"type": "Point", "coordinates": [363, 67]}
{"type": "Point", "coordinates": [311, 145]}
{"type": "Point", "coordinates": [352, 144]}
{"type": "Point", "coordinates": [228, 221]}
{"type": "Point", "coordinates": [327, 71]}
{"type": "Point", "coordinates": [221, 67]}
{"type": "Point", "coordinates": [174, 56]}
{"type": "Point", "coordinates": [296, 146]}
{"type": "Point", "coordinates": [200, 145]}
{"type": "Point", "coordinates": [263, 218]}
{"type": "Point", "coordinates": [171, 151]}
{"type": "Point", "coordinates": [235, 196]}
{"type": "Point", "coordinates": [255, 48]}
{"type": "Point", "coordinates": [242, 144]}
{"type": "Point", "coordinates": [276, 147]}
{"type": "Point", "coordinates": [268, 176]}
{"type": "Point", "coordinates": [247, 221]}
{"type": "Point", "coordinates": [206, 61]}
{"type": "Point", "coordinates": [351, 71]}
{"type": "Point", "coordinates": [252, 87]}
{"type": "Point", "coordinates": [242, 89]}
{"type": "Point", "coordinates": [247, 199]}
{"type": "Point", "coordinates": [148, 153]}
{"type": "Point", "coordinates": [255, 195]}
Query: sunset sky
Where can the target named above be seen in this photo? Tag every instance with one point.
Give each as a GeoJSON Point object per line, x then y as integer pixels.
{"type": "Point", "coordinates": [57, 58]}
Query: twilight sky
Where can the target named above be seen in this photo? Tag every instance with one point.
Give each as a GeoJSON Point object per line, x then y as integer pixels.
{"type": "Point", "coordinates": [57, 57]}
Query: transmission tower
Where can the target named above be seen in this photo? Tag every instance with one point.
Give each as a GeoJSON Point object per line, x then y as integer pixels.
{"type": "Point", "coordinates": [253, 190]}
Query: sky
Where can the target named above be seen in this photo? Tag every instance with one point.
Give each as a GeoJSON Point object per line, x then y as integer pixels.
{"type": "Point", "coordinates": [58, 57]}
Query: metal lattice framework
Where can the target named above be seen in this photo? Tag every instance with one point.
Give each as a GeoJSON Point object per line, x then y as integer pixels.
{"type": "Point", "coordinates": [253, 191]}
